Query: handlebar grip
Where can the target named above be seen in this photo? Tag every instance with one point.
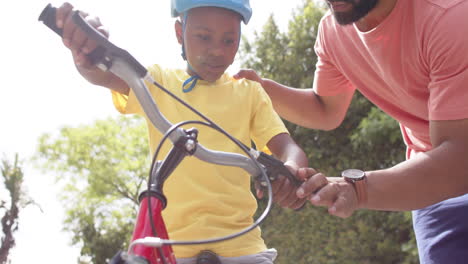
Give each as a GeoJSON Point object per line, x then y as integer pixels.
{"type": "Point", "coordinates": [276, 167]}
{"type": "Point", "coordinates": [47, 16]}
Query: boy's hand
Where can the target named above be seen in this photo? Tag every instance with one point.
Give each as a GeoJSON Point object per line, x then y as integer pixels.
{"type": "Point", "coordinates": [285, 191]}
{"type": "Point", "coordinates": [74, 38]}
{"type": "Point", "coordinates": [249, 75]}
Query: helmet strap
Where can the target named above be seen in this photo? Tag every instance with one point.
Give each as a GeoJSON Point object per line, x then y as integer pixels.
{"type": "Point", "coordinates": [191, 82]}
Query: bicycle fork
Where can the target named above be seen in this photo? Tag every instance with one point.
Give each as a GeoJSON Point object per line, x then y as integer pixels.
{"type": "Point", "coordinates": [144, 228]}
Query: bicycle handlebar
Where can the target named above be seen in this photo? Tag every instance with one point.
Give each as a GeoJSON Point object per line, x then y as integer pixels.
{"type": "Point", "coordinates": [121, 63]}
{"type": "Point", "coordinates": [109, 57]}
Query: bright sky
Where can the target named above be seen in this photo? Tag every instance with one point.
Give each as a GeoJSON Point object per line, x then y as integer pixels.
{"type": "Point", "coordinates": [42, 92]}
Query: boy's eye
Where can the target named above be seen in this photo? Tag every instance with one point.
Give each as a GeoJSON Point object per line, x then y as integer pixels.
{"type": "Point", "coordinates": [229, 41]}
{"type": "Point", "coordinates": [203, 37]}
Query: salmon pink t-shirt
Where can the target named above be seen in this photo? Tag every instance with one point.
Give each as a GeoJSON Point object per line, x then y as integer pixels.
{"type": "Point", "coordinates": [413, 65]}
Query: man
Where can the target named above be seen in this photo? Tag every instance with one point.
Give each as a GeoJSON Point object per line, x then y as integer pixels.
{"type": "Point", "coordinates": [410, 58]}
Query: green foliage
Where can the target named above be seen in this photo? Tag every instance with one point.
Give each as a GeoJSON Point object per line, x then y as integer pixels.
{"type": "Point", "coordinates": [13, 179]}
{"type": "Point", "coordinates": [367, 139]}
{"type": "Point", "coordinates": [313, 236]}
{"type": "Point", "coordinates": [102, 228]}
{"type": "Point", "coordinates": [285, 57]}
{"type": "Point", "coordinates": [103, 167]}
{"type": "Point", "coordinates": [380, 135]}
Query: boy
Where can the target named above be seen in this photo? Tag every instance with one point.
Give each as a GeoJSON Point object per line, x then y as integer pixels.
{"type": "Point", "coordinates": [220, 201]}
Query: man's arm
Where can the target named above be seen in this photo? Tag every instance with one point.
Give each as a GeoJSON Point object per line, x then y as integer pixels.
{"type": "Point", "coordinates": [427, 178]}
{"type": "Point", "coordinates": [303, 106]}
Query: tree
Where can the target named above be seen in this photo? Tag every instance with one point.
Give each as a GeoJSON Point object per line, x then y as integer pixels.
{"type": "Point", "coordinates": [367, 139]}
{"type": "Point", "coordinates": [13, 179]}
{"type": "Point", "coordinates": [103, 167]}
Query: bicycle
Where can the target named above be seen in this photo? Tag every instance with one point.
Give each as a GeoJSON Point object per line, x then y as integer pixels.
{"type": "Point", "coordinates": [150, 242]}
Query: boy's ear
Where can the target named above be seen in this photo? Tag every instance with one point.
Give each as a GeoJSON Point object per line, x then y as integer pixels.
{"type": "Point", "coordinates": [178, 31]}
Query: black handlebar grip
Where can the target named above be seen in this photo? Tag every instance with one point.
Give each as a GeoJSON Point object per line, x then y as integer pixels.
{"type": "Point", "coordinates": [47, 16]}
{"type": "Point", "coordinates": [276, 167]}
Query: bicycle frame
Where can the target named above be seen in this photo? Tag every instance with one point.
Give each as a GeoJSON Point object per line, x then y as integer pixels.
{"type": "Point", "coordinates": [150, 242]}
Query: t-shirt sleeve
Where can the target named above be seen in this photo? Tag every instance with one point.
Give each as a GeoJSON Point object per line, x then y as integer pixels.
{"type": "Point", "coordinates": [328, 79]}
{"type": "Point", "coordinates": [265, 122]}
{"type": "Point", "coordinates": [128, 104]}
{"type": "Point", "coordinates": [447, 56]}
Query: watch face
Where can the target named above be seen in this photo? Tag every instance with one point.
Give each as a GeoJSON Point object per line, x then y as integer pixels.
{"type": "Point", "coordinates": [353, 174]}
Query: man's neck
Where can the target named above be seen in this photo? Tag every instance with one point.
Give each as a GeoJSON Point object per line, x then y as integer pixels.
{"type": "Point", "coordinates": [376, 16]}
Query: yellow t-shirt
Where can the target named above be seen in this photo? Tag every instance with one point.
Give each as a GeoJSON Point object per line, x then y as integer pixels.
{"type": "Point", "coordinates": [206, 200]}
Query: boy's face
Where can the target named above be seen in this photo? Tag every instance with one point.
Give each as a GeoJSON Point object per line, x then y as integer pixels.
{"type": "Point", "coordinates": [211, 40]}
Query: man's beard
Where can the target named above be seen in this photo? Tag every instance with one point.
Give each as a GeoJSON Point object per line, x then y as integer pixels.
{"type": "Point", "coordinates": [359, 10]}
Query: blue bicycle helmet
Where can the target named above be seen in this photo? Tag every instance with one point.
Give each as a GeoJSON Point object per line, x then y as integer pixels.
{"type": "Point", "coordinates": [239, 6]}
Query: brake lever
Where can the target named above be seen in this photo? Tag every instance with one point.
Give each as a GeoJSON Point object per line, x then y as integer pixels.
{"type": "Point", "coordinates": [274, 167]}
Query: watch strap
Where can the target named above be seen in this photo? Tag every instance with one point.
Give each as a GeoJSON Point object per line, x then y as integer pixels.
{"type": "Point", "coordinates": [361, 190]}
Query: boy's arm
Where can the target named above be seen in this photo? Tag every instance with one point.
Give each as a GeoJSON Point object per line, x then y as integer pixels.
{"type": "Point", "coordinates": [284, 148]}
{"type": "Point", "coordinates": [80, 46]}
{"type": "Point", "coordinates": [109, 80]}
{"type": "Point", "coordinates": [303, 106]}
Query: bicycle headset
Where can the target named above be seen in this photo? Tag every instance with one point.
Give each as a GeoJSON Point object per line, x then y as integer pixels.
{"type": "Point", "coordinates": [181, 7]}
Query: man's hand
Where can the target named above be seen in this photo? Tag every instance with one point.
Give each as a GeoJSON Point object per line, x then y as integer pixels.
{"type": "Point", "coordinates": [335, 193]}
{"type": "Point", "coordinates": [249, 75]}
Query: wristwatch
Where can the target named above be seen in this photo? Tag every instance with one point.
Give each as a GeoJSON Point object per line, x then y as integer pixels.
{"type": "Point", "coordinates": [359, 180]}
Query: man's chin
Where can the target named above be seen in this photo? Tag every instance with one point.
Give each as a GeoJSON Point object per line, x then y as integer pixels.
{"type": "Point", "coordinates": [344, 19]}
{"type": "Point", "coordinates": [359, 12]}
